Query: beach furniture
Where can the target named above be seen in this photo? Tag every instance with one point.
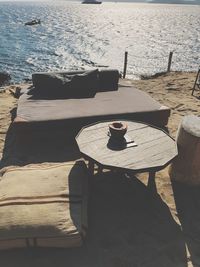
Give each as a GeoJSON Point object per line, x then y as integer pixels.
{"type": "Point", "coordinates": [197, 81]}
{"type": "Point", "coordinates": [144, 148]}
{"type": "Point", "coordinates": [186, 167]}
{"type": "Point", "coordinates": [51, 104]}
{"type": "Point", "coordinates": [43, 205]}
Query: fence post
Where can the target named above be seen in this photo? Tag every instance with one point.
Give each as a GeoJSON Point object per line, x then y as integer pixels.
{"type": "Point", "coordinates": [125, 64]}
{"type": "Point", "coordinates": [169, 61]}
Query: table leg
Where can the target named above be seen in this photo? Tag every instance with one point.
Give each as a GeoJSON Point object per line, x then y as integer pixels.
{"type": "Point", "coordinates": [151, 182]}
{"type": "Point", "coordinates": [100, 169]}
{"type": "Point", "coordinates": [91, 174]}
{"type": "Point", "coordinates": [91, 167]}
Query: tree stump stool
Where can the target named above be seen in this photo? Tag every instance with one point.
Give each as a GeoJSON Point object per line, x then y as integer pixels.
{"type": "Point", "coordinates": [186, 167]}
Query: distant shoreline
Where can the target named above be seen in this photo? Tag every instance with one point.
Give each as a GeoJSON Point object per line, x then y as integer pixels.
{"type": "Point", "coordinates": [167, 2]}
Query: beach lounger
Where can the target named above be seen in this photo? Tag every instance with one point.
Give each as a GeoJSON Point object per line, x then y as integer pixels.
{"type": "Point", "coordinates": [70, 114]}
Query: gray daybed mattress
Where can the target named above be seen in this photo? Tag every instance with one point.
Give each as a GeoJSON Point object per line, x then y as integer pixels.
{"type": "Point", "coordinates": [126, 103]}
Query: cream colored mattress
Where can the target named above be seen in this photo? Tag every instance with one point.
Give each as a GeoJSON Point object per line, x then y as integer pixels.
{"type": "Point", "coordinates": [43, 206]}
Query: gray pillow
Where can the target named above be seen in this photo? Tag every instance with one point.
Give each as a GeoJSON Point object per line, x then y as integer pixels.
{"type": "Point", "coordinates": [65, 85]}
{"type": "Point", "coordinates": [51, 84]}
{"type": "Point", "coordinates": [84, 85]}
{"type": "Point", "coordinates": [108, 80]}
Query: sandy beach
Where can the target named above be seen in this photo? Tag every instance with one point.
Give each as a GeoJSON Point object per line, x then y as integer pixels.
{"type": "Point", "coordinates": [173, 90]}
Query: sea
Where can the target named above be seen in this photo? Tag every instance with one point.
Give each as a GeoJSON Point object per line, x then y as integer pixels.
{"type": "Point", "coordinates": [74, 36]}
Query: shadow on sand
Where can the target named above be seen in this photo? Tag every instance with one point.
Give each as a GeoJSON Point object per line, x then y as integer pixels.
{"type": "Point", "coordinates": [128, 226]}
{"type": "Point", "coordinates": [22, 149]}
{"type": "Point", "coordinates": [187, 200]}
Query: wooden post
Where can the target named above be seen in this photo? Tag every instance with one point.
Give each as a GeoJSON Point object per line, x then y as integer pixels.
{"type": "Point", "coordinates": [169, 61]}
{"type": "Point", "coordinates": [195, 83]}
{"type": "Point", "coordinates": [125, 64]}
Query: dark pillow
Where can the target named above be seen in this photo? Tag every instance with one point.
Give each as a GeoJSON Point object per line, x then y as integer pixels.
{"type": "Point", "coordinates": [108, 80]}
{"type": "Point", "coordinates": [51, 84]}
{"type": "Point", "coordinates": [84, 85]}
{"type": "Point", "coordinates": [65, 85]}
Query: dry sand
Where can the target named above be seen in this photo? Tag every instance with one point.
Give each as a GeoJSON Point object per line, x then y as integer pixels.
{"type": "Point", "coordinates": [155, 235]}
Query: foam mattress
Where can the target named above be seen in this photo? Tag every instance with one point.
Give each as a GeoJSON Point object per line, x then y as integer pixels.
{"type": "Point", "coordinates": [126, 103]}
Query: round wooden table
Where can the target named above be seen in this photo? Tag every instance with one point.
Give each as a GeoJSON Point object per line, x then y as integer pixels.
{"type": "Point", "coordinates": [152, 150]}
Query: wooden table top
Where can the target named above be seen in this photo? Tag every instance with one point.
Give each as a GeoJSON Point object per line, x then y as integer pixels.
{"type": "Point", "coordinates": [155, 148]}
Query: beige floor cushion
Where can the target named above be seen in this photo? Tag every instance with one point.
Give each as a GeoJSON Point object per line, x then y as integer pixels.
{"type": "Point", "coordinates": [43, 206]}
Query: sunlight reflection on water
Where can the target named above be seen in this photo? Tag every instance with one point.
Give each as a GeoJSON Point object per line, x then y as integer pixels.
{"type": "Point", "coordinates": [74, 36]}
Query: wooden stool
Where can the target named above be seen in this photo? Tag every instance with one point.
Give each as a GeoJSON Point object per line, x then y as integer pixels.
{"type": "Point", "coordinates": [186, 167]}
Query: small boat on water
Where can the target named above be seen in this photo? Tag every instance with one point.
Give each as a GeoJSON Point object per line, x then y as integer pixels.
{"type": "Point", "coordinates": [33, 22]}
{"type": "Point", "coordinates": [91, 2]}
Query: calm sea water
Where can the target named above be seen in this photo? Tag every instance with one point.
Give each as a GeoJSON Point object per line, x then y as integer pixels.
{"type": "Point", "coordinates": [73, 36]}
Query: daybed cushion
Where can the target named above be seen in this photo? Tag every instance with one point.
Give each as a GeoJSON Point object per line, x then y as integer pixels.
{"type": "Point", "coordinates": [108, 80]}
{"type": "Point", "coordinates": [44, 206]}
{"type": "Point", "coordinates": [126, 103]}
{"type": "Point", "coordinates": [65, 85]}
{"type": "Point", "coordinates": [84, 84]}
{"type": "Point", "coordinates": [50, 84]}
